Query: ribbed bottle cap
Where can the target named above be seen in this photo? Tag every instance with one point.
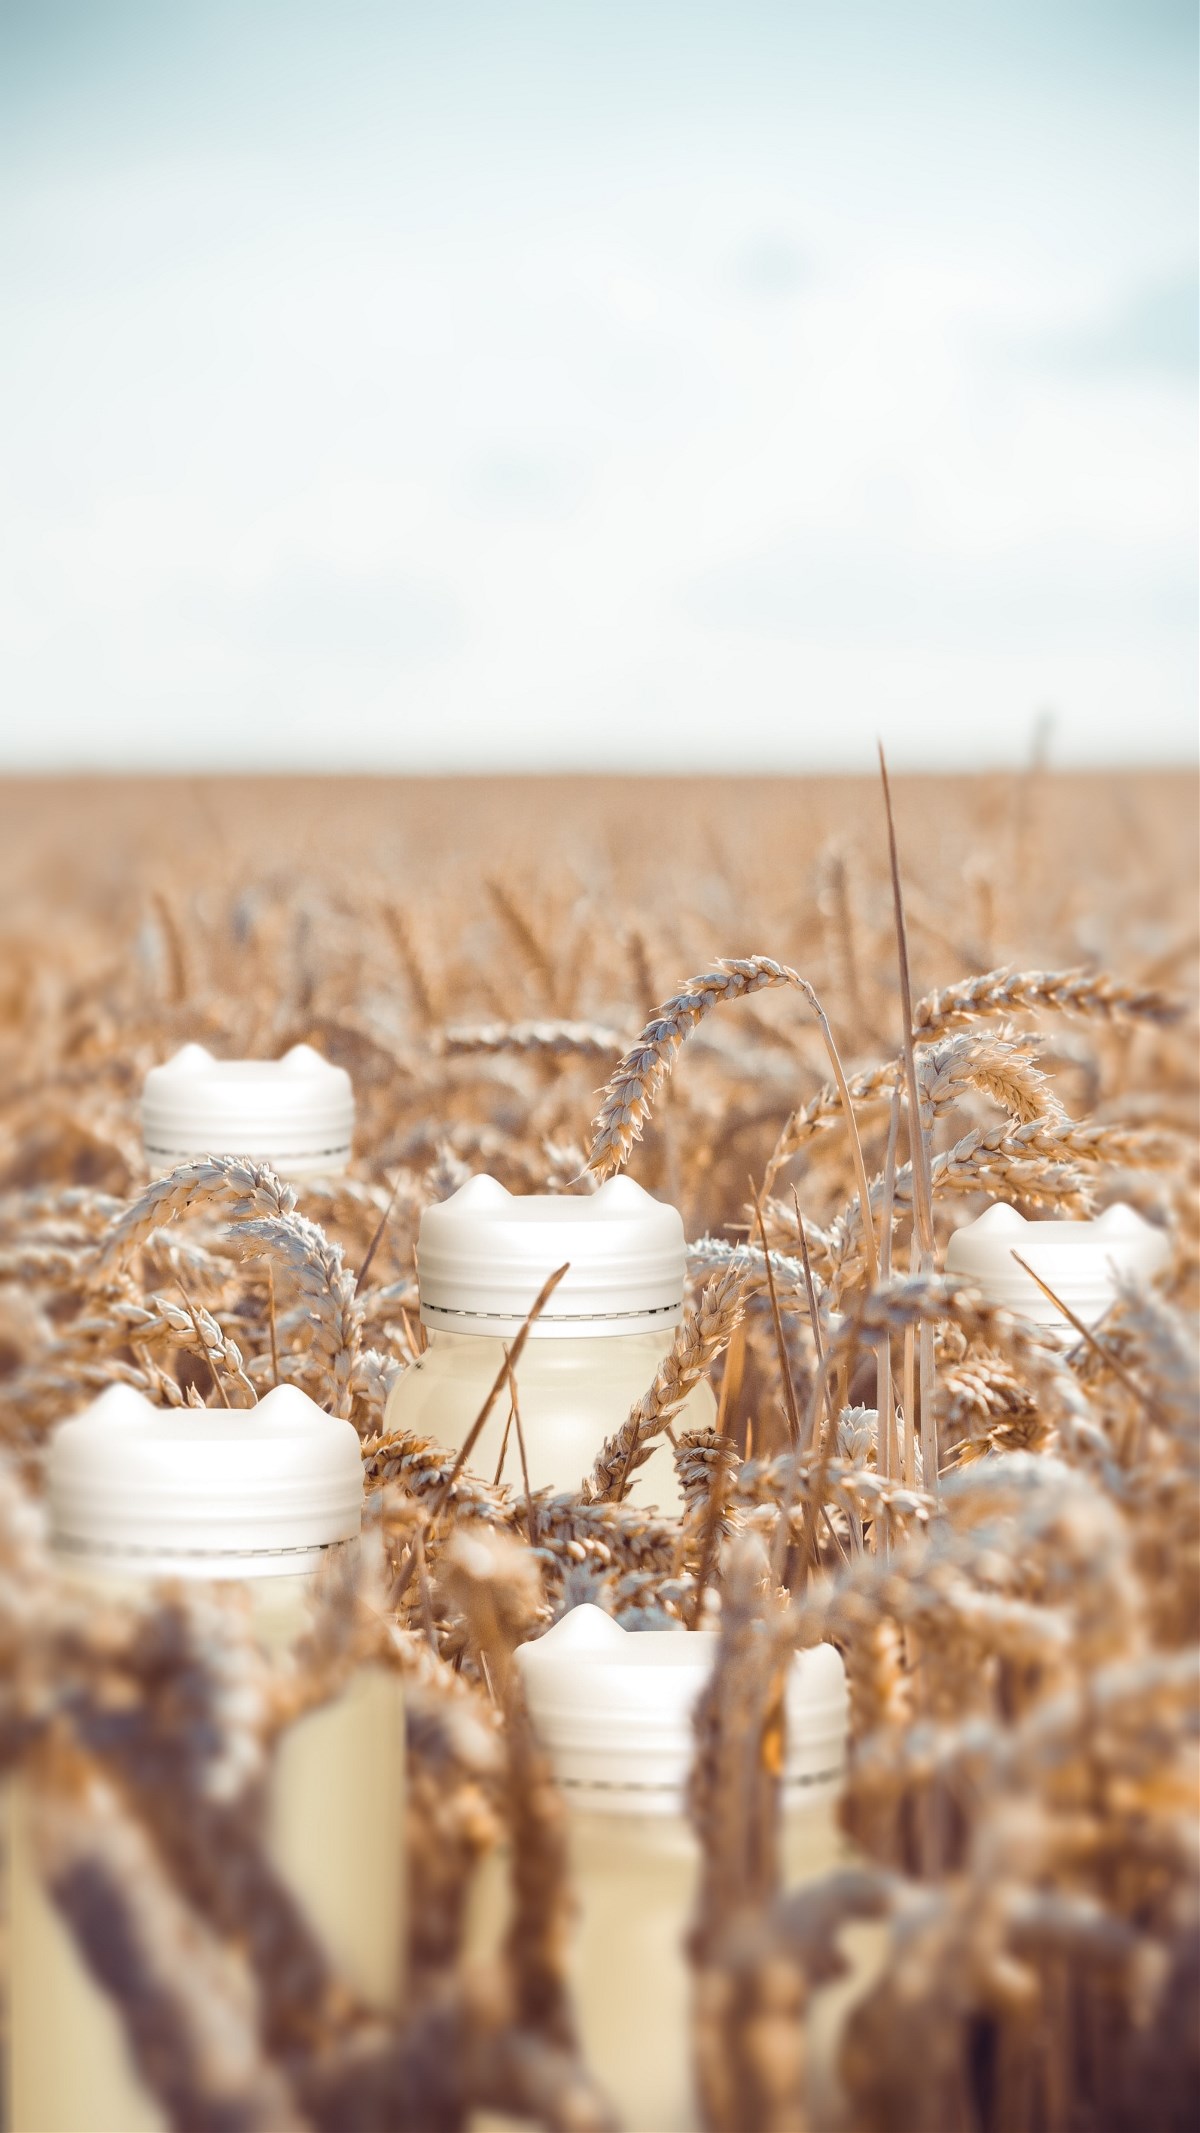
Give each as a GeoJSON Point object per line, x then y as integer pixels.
{"type": "Point", "coordinates": [1080, 1261]}
{"type": "Point", "coordinates": [483, 1255]}
{"type": "Point", "coordinates": [295, 1113]}
{"type": "Point", "coordinates": [202, 1491]}
{"type": "Point", "coordinates": [613, 1710]}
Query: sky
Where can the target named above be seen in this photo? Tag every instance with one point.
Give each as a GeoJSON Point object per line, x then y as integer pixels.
{"type": "Point", "coordinates": [627, 387]}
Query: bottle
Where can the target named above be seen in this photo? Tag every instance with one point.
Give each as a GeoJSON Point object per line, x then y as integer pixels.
{"type": "Point", "coordinates": [1080, 1261]}
{"type": "Point", "coordinates": [263, 1496]}
{"type": "Point", "coordinates": [482, 1257]}
{"type": "Point", "coordinates": [613, 1710]}
{"type": "Point", "coordinates": [295, 1114]}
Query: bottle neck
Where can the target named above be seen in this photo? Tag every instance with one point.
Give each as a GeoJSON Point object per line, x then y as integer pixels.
{"type": "Point", "coordinates": [134, 1567]}
{"type": "Point", "coordinates": [655, 1785]}
{"type": "Point", "coordinates": [562, 1346]}
{"type": "Point", "coordinates": [279, 1606]}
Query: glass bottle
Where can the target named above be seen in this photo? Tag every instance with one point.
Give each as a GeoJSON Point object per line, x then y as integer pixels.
{"type": "Point", "coordinates": [262, 1496]}
{"type": "Point", "coordinates": [613, 1709]}
{"type": "Point", "coordinates": [482, 1257]}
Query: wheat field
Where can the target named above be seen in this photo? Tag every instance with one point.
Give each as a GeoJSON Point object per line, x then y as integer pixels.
{"type": "Point", "coordinates": [700, 980]}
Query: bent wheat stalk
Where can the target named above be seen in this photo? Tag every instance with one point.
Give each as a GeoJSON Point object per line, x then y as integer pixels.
{"type": "Point", "coordinates": [244, 1187]}
{"type": "Point", "coordinates": [924, 1243]}
{"type": "Point", "coordinates": [625, 1106]}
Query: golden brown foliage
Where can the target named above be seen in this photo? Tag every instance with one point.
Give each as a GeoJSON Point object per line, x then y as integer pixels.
{"type": "Point", "coordinates": [1018, 1611]}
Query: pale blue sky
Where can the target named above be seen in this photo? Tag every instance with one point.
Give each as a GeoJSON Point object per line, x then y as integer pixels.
{"type": "Point", "coordinates": [539, 386]}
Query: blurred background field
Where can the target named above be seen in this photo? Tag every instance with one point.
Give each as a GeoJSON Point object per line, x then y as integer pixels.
{"type": "Point", "coordinates": [373, 915]}
{"type": "Point", "coordinates": [1020, 854]}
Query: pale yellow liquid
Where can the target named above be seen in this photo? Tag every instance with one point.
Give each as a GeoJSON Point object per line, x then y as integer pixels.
{"type": "Point", "coordinates": [573, 1393]}
{"type": "Point", "coordinates": [634, 1878]}
{"type": "Point", "coordinates": [336, 1836]}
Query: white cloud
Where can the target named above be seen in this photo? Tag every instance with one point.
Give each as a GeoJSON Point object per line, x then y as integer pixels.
{"type": "Point", "coordinates": [741, 427]}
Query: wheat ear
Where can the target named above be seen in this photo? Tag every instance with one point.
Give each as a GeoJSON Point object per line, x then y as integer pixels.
{"type": "Point", "coordinates": [1023, 992]}
{"type": "Point", "coordinates": [959, 1007]}
{"type": "Point", "coordinates": [546, 1040]}
{"type": "Point", "coordinates": [625, 1105]}
{"type": "Point", "coordinates": [699, 1341]}
{"type": "Point", "coordinates": [244, 1188]}
{"type": "Point", "coordinates": [314, 1266]}
{"type": "Point", "coordinates": [999, 1064]}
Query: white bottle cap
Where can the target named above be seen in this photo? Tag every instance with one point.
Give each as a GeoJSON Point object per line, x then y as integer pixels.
{"type": "Point", "coordinates": [295, 1113]}
{"type": "Point", "coordinates": [483, 1255]}
{"type": "Point", "coordinates": [613, 1710]}
{"type": "Point", "coordinates": [1080, 1261]}
{"type": "Point", "coordinates": [206, 1492]}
